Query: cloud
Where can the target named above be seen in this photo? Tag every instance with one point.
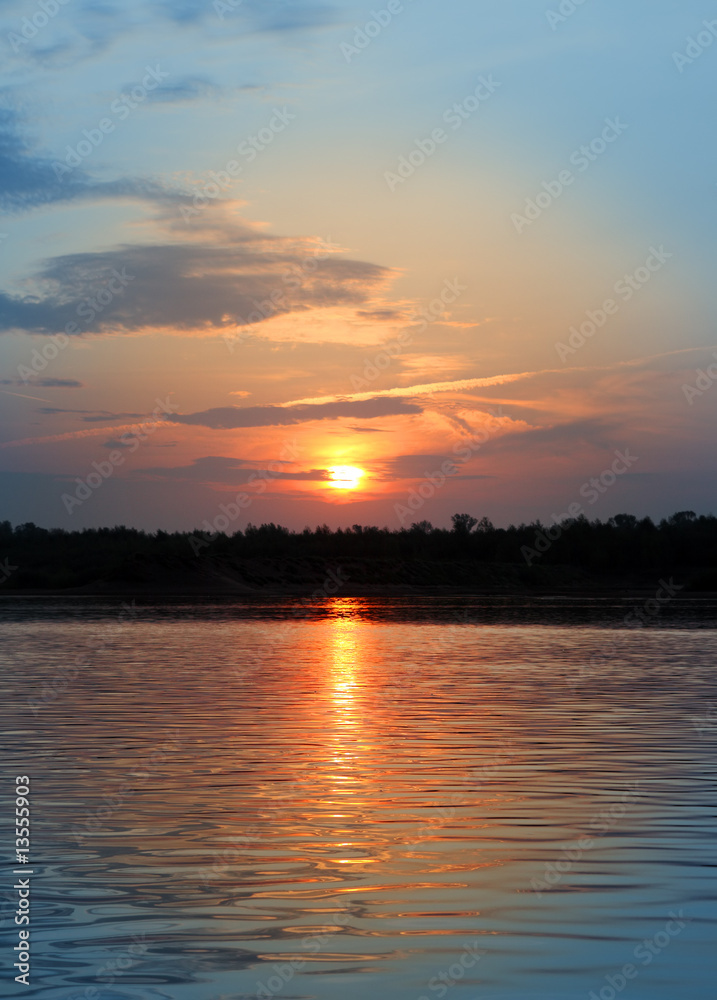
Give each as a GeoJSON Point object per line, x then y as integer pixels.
{"type": "Point", "coordinates": [278, 16]}
{"type": "Point", "coordinates": [208, 469]}
{"type": "Point", "coordinates": [229, 417]}
{"type": "Point", "coordinates": [85, 30]}
{"type": "Point", "coordinates": [217, 276]}
{"type": "Point", "coordinates": [46, 383]}
{"type": "Point", "coordinates": [382, 315]}
{"type": "Point", "coordinates": [417, 365]}
{"type": "Point", "coordinates": [421, 466]}
{"type": "Point", "coordinates": [82, 30]}
{"type": "Point", "coordinates": [29, 179]}
{"type": "Point", "coordinates": [182, 91]}
{"type": "Point", "coordinates": [650, 364]}
{"type": "Point", "coordinates": [138, 429]}
{"type": "Point", "coordinates": [425, 389]}
{"type": "Point", "coordinates": [213, 469]}
{"type": "Point", "coordinates": [94, 416]}
{"type": "Point", "coordinates": [290, 15]}
{"type": "Point", "coordinates": [24, 395]}
{"type": "Point", "coordinates": [595, 432]}
{"type": "Point", "coordinates": [114, 443]}
{"type": "Point", "coordinates": [184, 12]}
{"type": "Point", "coordinates": [204, 287]}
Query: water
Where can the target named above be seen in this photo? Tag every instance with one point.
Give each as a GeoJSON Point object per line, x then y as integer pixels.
{"type": "Point", "coordinates": [359, 799]}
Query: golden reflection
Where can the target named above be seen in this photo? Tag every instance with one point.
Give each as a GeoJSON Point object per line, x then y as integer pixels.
{"type": "Point", "coordinates": [346, 656]}
{"type": "Point", "coordinates": [343, 786]}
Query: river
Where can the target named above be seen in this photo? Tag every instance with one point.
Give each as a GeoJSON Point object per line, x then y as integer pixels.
{"type": "Point", "coordinates": [362, 798]}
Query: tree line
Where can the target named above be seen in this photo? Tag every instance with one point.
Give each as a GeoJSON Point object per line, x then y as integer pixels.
{"type": "Point", "coordinates": [623, 545]}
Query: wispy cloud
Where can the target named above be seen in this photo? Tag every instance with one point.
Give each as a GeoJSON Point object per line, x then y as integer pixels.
{"type": "Point", "coordinates": [425, 389]}
{"type": "Point", "coordinates": [219, 470]}
{"type": "Point", "coordinates": [462, 385]}
{"type": "Point", "coordinates": [29, 179]}
{"type": "Point", "coordinates": [275, 16]}
{"type": "Point", "coordinates": [228, 417]}
{"type": "Point", "coordinates": [23, 395]}
{"type": "Point", "coordinates": [46, 383]}
{"type": "Point", "coordinates": [91, 416]}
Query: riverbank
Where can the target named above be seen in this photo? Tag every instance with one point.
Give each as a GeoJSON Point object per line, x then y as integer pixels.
{"type": "Point", "coordinates": [316, 577]}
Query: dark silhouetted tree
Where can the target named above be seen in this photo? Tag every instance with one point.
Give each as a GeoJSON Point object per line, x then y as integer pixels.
{"type": "Point", "coordinates": [463, 524]}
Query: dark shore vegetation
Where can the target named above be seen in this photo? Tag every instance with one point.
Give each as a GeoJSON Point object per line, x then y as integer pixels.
{"type": "Point", "coordinates": [580, 554]}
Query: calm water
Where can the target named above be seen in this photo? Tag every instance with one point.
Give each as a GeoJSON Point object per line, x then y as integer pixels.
{"type": "Point", "coordinates": [363, 799]}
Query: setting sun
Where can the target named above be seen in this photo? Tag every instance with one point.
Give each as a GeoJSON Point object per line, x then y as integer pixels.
{"type": "Point", "coordinates": [346, 477]}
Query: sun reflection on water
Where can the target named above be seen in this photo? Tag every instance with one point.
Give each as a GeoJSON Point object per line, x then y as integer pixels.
{"type": "Point", "coordinates": [345, 674]}
{"type": "Point", "coordinates": [346, 776]}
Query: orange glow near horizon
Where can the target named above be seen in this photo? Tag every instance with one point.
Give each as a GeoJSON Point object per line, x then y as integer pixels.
{"type": "Point", "coordinates": [345, 477]}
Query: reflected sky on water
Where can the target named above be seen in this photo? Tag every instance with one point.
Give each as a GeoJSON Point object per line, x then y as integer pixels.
{"type": "Point", "coordinates": [364, 798]}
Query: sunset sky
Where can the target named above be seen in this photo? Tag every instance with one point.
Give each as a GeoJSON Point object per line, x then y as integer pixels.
{"type": "Point", "coordinates": [246, 243]}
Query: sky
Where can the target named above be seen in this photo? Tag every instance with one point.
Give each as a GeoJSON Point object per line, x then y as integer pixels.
{"type": "Point", "coordinates": [325, 263]}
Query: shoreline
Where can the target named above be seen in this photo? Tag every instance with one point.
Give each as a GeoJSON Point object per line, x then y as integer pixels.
{"type": "Point", "coordinates": [315, 578]}
{"type": "Point", "coordinates": [607, 593]}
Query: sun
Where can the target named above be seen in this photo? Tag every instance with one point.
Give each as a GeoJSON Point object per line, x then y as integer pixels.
{"type": "Point", "coordinates": [345, 477]}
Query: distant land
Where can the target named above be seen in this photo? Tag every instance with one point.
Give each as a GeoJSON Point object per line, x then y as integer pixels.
{"type": "Point", "coordinates": [623, 554]}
